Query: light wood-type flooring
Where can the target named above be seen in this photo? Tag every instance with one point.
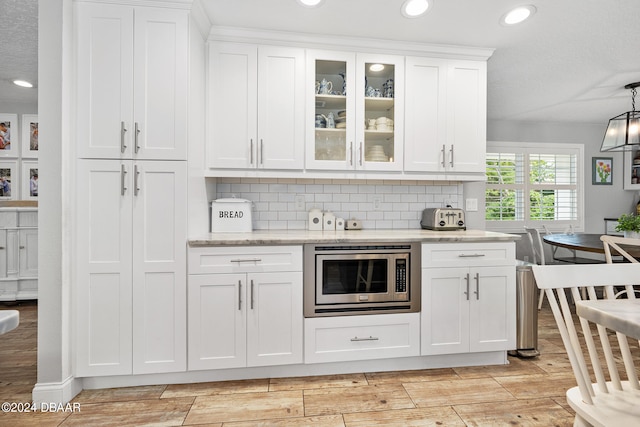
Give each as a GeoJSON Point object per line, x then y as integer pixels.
{"type": "Point", "coordinates": [527, 392]}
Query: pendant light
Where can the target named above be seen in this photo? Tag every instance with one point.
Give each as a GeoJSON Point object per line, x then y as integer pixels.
{"type": "Point", "coordinates": [623, 132]}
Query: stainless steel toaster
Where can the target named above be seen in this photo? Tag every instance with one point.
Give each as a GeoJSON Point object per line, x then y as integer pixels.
{"type": "Point", "coordinates": [443, 219]}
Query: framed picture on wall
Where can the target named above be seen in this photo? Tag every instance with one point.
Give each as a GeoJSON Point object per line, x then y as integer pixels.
{"type": "Point", "coordinates": [29, 180]}
{"type": "Point", "coordinates": [30, 136]}
{"type": "Point", "coordinates": [9, 179]}
{"type": "Point", "coordinates": [602, 170]}
{"type": "Point", "coordinates": [9, 135]}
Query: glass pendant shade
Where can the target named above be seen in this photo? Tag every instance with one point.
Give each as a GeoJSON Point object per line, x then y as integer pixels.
{"type": "Point", "coordinates": [623, 132]}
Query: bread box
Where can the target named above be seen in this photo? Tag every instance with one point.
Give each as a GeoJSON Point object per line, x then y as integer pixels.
{"type": "Point", "coordinates": [231, 216]}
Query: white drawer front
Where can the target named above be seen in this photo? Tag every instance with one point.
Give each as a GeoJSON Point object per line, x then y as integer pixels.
{"type": "Point", "coordinates": [336, 339]}
{"type": "Point", "coordinates": [244, 259]}
{"type": "Point", "coordinates": [468, 254]}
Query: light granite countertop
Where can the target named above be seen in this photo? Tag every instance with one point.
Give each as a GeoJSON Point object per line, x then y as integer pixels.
{"type": "Point", "coordinates": [290, 237]}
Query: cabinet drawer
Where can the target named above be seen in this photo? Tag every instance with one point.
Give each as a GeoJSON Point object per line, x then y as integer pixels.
{"type": "Point", "coordinates": [336, 339]}
{"type": "Point", "coordinates": [244, 259]}
{"type": "Point", "coordinates": [468, 254]}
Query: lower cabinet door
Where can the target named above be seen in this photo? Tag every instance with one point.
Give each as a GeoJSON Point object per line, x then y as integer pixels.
{"type": "Point", "coordinates": [217, 316]}
{"type": "Point", "coordinates": [274, 318]}
{"type": "Point", "coordinates": [445, 310]}
{"type": "Point", "coordinates": [492, 317]}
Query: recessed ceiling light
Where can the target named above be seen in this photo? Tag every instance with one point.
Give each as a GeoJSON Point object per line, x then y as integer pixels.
{"type": "Point", "coordinates": [376, 67]}
{"type": "Point", "coordinates": [415, 8]}
{"type": "Point", "coordinates": [518, 15]}
{"type": "Point", "coordinates": [22, 83]}
{"type": "Point", "coordinates": [310, 3]}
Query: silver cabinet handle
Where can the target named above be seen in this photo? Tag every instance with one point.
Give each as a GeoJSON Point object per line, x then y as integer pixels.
{"type": "Point", "coordinates": [443, 155]}
{"type": "Point", "coordinates": [1, 247]}
{"type": "Point", "coordinates": [136, 174]}
{"type": "Point", "coordinates": [247, 260]}
{"type": "Point", "coordinates": [471, 255]}
{"type": "Point", "coordinates": [261, 152]}
{"type": "Point", "coordinates": [251, 150]}
{"type": "Point", "coordinates": [123, 172]}
{"type": "Point", "coordinates": [451, 157]}
{"type": "Point", "coordinates": [360, 153]}
{"type": "Point", "coordinates": [22, 247]}
{"type": "Point", "coordinates": [467, 291]}
{"type": "Point", "coordinates": [136, 132]}
{"type": "Point", "coordinates": [123, 130]}
{"type": "Point", "coordinates": [239, 294]}
{"type": "Point", "coordinates": [251, 294]}
{"type": "Point", "coordinates": [365, 339]}
{"type": "Point", "coordinates": [477, 292]}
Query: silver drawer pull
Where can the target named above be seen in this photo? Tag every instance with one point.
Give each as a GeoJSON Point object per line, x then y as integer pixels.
{"type": "Point", "coordinates": [365, 339]}
{"type": "Point", "coordinates": [471, 255]}
{"type": "Point", "coordinates": [247, 260]}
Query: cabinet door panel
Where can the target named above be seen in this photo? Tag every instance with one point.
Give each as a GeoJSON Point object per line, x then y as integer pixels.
{"type": "Point", "coordinates": [425, 118]}
{"type": "Point", "coordinates": [104, 79]}
{"type": "Point", "coordinates": [280, 108]}
{"type": "Point", "coordinates": [160, 83]}
{"type": "Point", "coordinates": [274, 318]}
{"type": "Point", "coordinates": [217, 325]}
{"type": "Point", "coordinates": [233, 108]}
{"type": "Point", "coordinates": [467, 112]}
{"type": "Point", "coordinates": [159, 291]}
{"type": "Point", "coordinates": [103, 268]}
{"type": "Point", "coordinates": [445, 311]}
{"type": "Point", "coordinates": [28, 252]}
{"type": "Point", "coordinates": [492, 309]}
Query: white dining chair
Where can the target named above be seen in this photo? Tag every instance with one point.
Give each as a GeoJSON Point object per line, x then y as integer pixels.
{"type": "Point", "coordinates": [596, 400]}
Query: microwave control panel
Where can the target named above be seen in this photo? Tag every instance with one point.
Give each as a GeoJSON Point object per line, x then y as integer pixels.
{"type": "Point", "coordinates": [401, 275]}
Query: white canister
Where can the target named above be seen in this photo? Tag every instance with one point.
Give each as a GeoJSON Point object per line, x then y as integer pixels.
{"type": "Point", "coordinates": [315, 219]}
{"type": "Point", "coordinates": [329, 223]}
{"type": "Point", "coordinates": [231, 216]}
{"type": "Point", "coordinates": [339, 223]}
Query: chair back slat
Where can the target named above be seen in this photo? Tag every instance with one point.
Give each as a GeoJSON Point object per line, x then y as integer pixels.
{"type": "Point", "coordinates": [581, 281]}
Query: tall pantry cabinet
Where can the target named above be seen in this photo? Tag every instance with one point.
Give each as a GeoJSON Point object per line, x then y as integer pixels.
{"type": "Point", "coordinates": [131, 144]}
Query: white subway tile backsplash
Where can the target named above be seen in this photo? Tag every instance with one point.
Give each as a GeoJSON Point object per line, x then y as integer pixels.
{"type": "Point", "coordinates": [379, 204]}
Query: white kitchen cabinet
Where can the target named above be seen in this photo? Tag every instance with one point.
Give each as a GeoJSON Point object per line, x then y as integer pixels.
{"type": "Point", "coordinates": [251, 316]}
{"type": "Point", "coordinates": [344, 338]}
{"type": "Point", "coordinates": [468, 298]}
{"type": "Point", "coordinates": [255, 107]}
{"type": "Point", "coordinates": [130, 269]}
{"type": "Point", "coordinates": [18, 254]}
{"type": "Point", "coordinates": [131, 87]}
{"type": "Point", "coordinates": [366, 107]}
{"type": "Point", "coordinates": [445, 116]}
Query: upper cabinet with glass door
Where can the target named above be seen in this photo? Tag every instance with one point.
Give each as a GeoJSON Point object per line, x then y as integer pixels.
{"type": "Point", "coordinates": [357, 104]}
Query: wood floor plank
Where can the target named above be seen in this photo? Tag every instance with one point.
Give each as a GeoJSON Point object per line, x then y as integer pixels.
{"type": "Point", "coordinates": [245, 407]}
{"type": "Point", "coordinates": [419, 417]}
{"type": "Point", "coordinates": [321, 421]}
{"type": "Point", "coordinates": [320, 381]}
{"type": "Point", "coordinates": [442, 393]}
{"type": "Point", "coordinates": [538, 386]}
{"type": "Point", "coordinates": [356, 399]}
{"type": "Point", "coordinates": [516, 367]}
{"type": "Point", "coordinates": [400, 377]}
{"type": "Point", "coordinates": [153, 412]}
{"type": "Point", "coordinates": [121, 394]}
{"type": "Point", "coordinates": [531, 412]}
{"type": "Point", "coordinates": [218, 387]}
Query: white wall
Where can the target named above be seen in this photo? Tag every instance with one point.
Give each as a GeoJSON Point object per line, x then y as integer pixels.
{"type": "Point", "coordinates": [601, 201]}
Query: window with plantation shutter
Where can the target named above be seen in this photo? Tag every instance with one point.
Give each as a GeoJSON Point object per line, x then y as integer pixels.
{"type": "Point", "coordinates": [534, 185]}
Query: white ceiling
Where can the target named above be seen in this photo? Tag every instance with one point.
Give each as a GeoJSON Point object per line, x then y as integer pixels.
{"type": "Point", "coordinates": [568, 63]}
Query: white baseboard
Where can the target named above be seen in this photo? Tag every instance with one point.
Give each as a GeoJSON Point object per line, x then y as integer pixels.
{"type": "Point", "coordinates": [60, 392]}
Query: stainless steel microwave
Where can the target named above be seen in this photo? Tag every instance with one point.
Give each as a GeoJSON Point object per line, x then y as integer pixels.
{"type": "Point", "coordinates": [361, 279]}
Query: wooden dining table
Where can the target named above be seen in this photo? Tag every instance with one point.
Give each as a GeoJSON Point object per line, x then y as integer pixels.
{"type": "Point", "coordinates": [587, 242]}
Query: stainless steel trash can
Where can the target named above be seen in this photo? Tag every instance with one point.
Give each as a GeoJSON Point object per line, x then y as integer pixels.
{"type": "Point", "coordinates": [526, 311]}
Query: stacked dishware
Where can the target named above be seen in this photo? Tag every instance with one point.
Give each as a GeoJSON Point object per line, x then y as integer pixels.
{"type": "Point", "coordinates": [384, 124]}
{"type": "Point", "coordinates": [375, 153]}
{"type": "Point", "coordinates": [341, 120]}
